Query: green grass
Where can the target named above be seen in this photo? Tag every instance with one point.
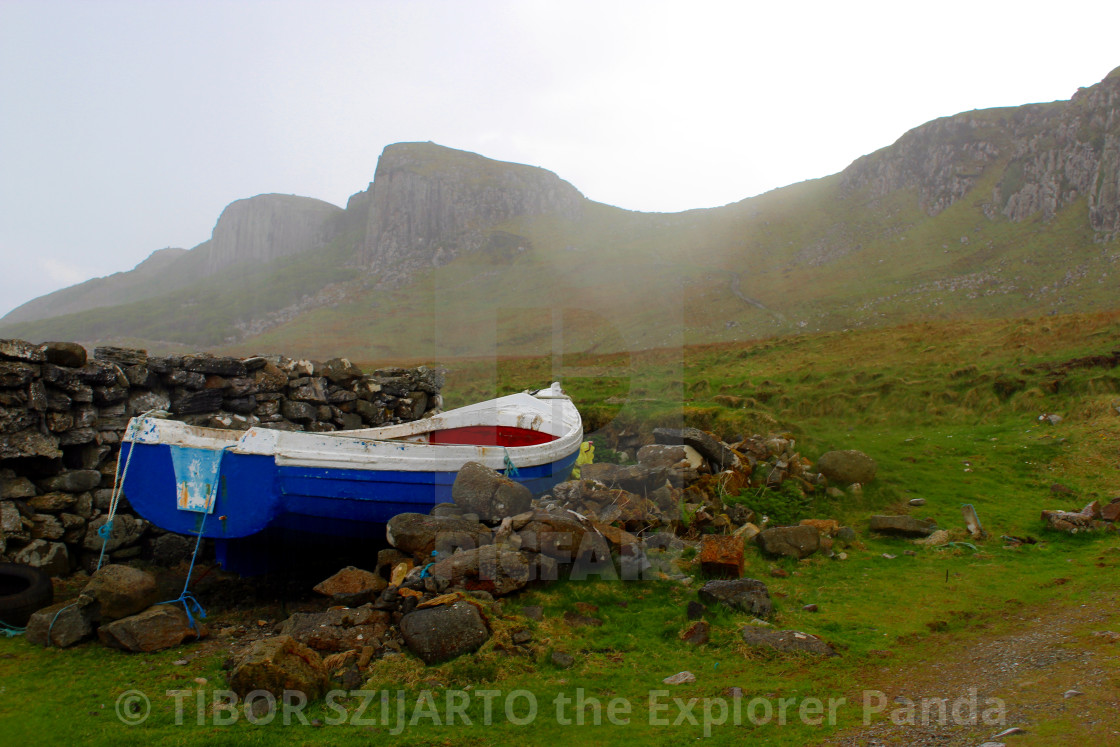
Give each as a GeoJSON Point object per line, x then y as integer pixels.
{"type": "Point", "coordinates": [919, 398]}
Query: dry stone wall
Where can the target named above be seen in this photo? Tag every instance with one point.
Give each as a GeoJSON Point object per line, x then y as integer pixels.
{"type": "Point", "coordinates": [63, 414]}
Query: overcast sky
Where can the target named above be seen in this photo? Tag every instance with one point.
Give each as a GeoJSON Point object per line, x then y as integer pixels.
{"type": "Point", "coordinates": [127, 126]}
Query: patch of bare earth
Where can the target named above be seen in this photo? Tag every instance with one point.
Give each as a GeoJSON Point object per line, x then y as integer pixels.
{"type": "Point", "coordinates": [1055, 676]}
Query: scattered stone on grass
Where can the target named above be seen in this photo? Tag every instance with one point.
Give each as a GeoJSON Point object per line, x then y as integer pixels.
{"type": "Point", "coordinates": [277, 664]}
{"type": "Point", "coordinates": [786, 640]}
{"type": "Point", "coordinates": [902, 526]}
{"type": "Point", "coordinates": [438, 634]}
{"type": "Point", "coordinates": [743, 594]}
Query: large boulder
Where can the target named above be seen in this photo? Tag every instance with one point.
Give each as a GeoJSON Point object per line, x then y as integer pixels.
{"type": "Point", "coordinates": [488, 493]}
{"type": "Point", "coordinates": [121, 590]}
{"type": "Point", "coordinates": [847, 466]}
{"type": "Point", "coordinates": [789, 542]}
{"type": "Point", "coordinates": [902, 526]}
{"type": "Point", "coordinates": [437, 634]}
{"type": "Point", "coordinates": [67, 623]}
{"type": "Point", "coordinates": [744, 594]}
{"type": "Point", "coordinates": [277, 664]}
{"type": "Point", "coordinates": [785, 640]}
{"type": "Point", "coordinates": [155, 629]}
{"type": "Point", "coordinates": [420, 534]}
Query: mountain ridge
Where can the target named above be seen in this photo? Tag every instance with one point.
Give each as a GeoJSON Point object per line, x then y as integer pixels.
{"type": "Point", "coordinates": [989, 212]}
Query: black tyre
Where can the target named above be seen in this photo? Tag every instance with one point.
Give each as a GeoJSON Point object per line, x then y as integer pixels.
{"type": "Point", "coordinates": [23, 590]}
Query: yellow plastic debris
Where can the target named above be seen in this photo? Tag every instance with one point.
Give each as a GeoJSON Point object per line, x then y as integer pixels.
{"type": "Point", "coordinates": [586, 456]}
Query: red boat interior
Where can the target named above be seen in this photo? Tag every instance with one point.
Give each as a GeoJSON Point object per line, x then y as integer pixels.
{"type": "Point", "coordinates": [490, 435]}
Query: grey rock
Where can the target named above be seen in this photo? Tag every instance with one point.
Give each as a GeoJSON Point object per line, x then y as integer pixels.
{"type": "Point", "coordinates": [127, 530]}
{"type": "Point", "coordinates": [29, 443]}
{"type": "Point", "coordinates": [121, 591]}
{"type": "Point", "coordinates": [121, 356]}
{"type": "Point", "coordinates": [489, 568]}
{"type": "Point", "coordinates": [790, 542]}
{"type": "Point", "coordinates": [73, 481]}
{"type": "Point", "coordinates": [902, 526]}
{"type": "Point", "coordinates": [157, 628]}
{"type": "Point", "coordinates": [67, 623]}
{"type": "Point", "coordinates": [338, 629]}
{"type": "Point", "coordinates": [442, 633]}
{"type": "Point", "coordinates": [16, 487]}
{"type": "Point", "coordinates": [298, 412]}
{"type": "Point", "coordinates": [419, 534]}
{"type": "Point", "coordinates": [65, 354]}
{"type": "Point", "coordinates": [785, 640]}
{"type": "Point", "coordinates": [744, 594]}
{"type": "Point", "coordinates": [847, 466]}
{"type": "Point", "coordinates": [277, 664]}
{"type": "Point", "coordinates": [718, 454]}
{"type": "Point", "coordinates": [488, 493]}
{"type": "Point", "coordinates": [169, 549]}
{"type": "Point", "coordinates": [205, 400]}
{"type": "Point", "coordinates": [50, 557]}
{"type": "Point", "coordinates": [215, 365]}
{"type": "Point", "coordinates": [21, 350]}
{"type": "Point", "coordinates": [563, 660]}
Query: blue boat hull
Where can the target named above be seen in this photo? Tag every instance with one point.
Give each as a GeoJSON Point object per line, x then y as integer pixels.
{"type": "Point", "coordinates": [253, 493]}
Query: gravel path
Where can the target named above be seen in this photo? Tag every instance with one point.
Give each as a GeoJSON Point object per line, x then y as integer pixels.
{"type": "Point", "coordinates": [1057, 674]}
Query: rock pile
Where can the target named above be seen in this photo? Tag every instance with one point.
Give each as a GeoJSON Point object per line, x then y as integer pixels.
{"type": "Point", "coordinates": [63, 414]}
{"type": "Point", "coordinates": [121, 605]}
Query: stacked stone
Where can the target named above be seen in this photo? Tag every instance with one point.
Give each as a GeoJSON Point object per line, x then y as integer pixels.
{"type": "Point", "coordinates": [63, 414]}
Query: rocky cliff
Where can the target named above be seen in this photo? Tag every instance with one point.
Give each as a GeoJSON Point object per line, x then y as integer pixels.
{"type": "Point", "coordinates": [429, 204]}
{"type": "Point", "coordinates": [266, 227]}
{"type": "Point", "coordinates": [1048, 156]}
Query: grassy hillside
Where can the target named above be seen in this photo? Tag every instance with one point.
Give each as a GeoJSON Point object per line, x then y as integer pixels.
{"type": "Point", "coordinates": [950, 412]}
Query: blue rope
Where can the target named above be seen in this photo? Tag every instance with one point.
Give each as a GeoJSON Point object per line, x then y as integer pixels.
{"type": "Point", "coordinates": [55, 619]}
{"type": "Point", "coordinates": [186, 598]}
{"type": "Point", "coordinates": [511, 468]}
{"type": "Point", "coordinates": [10, 631]}
{"type": "Point", "coordinates": [104, 532]}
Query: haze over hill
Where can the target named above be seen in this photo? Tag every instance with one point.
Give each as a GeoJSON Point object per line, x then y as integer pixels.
{"type": "Point", "coordinates": [986, 213]}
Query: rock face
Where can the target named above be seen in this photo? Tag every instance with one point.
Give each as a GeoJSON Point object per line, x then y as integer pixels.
{"type": "Point", "coordinates": [1054, 154]}
{"type": "Point", "coordinates": [441, 633]}
{"type": "Point", "coordinates": [429, 204]}
{"type": "Point", "coordinates": [269, 226]}
{"type": "Point", "coordinates": [847, 466]}
{"type": "Point", "coordinates": [488, 493]}
{"type": "Point", "coordinates": [277, 664]}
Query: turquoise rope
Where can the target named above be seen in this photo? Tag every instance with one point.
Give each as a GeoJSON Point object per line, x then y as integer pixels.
{"type": "Point", "coordinates": [186, 598]}
{"type": "Point", "coordinates": [511, 468]}
{"type": "Point", "coordinates": [55, 619]}
{"type": "Point", "coordinates": [11, 631]}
